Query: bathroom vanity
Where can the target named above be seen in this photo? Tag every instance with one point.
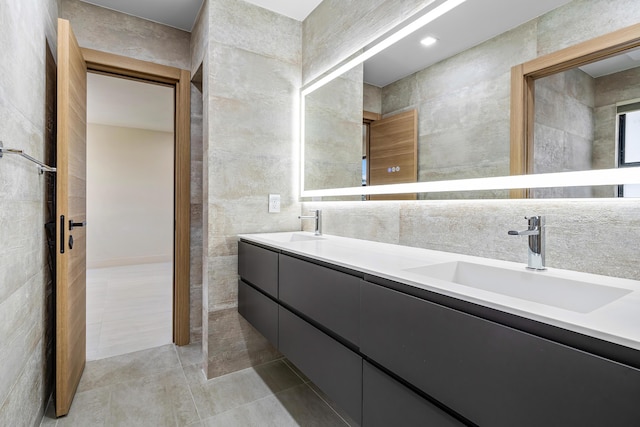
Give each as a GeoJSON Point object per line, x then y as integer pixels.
{"type": "Point", "coordinates": [407, 336]}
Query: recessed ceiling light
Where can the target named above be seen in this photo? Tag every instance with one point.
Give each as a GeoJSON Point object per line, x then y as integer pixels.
{"type": "Point", "coordinates": [428, 41]}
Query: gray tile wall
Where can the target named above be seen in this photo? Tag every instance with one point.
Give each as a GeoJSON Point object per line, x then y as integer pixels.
{"type": "Point", "coordinates": [597, 236]}
{"type": "Point", "coordinates": [114, 32]}
{"type": "Point", "coordinates": [337, 29]}
{"type": "Point", "coordinates": [333, 133]}
{"type": "Point", "coordinates": [564, 128]}
{"type": "Point", "coordinates": [252, 69]}
{"type": "Point", "coordinates": [196, 252]}
{"type": "Point", "coordinates": [463, 109]}
{"type": "Point", "coordinates": [28, 27]}
{"type": "Point", "coordinates": [622, 86]}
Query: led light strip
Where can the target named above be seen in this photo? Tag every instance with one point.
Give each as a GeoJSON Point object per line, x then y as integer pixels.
{"type": "Point", "coordinates": [393, 38]}
{"type": "Point", "coordinates": [557, 179]}
{"type": "Point", "coordinates": [432, 15]}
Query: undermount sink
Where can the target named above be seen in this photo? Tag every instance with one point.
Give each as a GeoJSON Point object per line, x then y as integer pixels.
{"type": "Point", "coordinates": [293, 237]}
{"type": "Point", "coordinates": [539, 287]}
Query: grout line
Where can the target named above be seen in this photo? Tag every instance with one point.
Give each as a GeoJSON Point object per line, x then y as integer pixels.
{"type": "Point", "coordinates": [328, 404]}
{"type": "Point", "coordinates": [295, 372]}
{"type": "Point", "coordinates": [288, 364]}
{"type": "Point", "coordinates": [193, 399]}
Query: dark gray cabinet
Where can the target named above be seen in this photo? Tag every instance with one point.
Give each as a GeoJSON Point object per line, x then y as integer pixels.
{"type": "Point", "coordinates": [259, 310]}
{"type": "Point", "coordinates": [329, 297]}
{"type": "Point", "coordinates": [258, 266]}
{"type": "Point", "coordinates": [391, 358]}
{"type": "Point", "coordinates": [330, 365]}
{"type": "Point", "coordinates": [387, 402]}
{"type": "Point", "coordinates": [489, 373]}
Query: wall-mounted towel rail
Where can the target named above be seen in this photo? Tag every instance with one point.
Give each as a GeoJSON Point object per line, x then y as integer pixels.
{"type": "Point", "coordinates": [42, 168]}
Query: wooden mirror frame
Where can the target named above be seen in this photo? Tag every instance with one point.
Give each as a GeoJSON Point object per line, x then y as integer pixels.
{"type": "Point", "coordinates": [523, 78]}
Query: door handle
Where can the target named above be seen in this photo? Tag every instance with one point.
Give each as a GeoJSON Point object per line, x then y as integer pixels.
{"type": "Point", "coordinates": [61, 234]}
{"type": "Point", "coordinates": [76, 224]}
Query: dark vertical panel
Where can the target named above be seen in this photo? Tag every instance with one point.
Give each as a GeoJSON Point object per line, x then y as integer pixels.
{"type": "Point", "coordinates": [491, 374]}
{"type": "Point", "coordinates": [259, 267]}
{"type": "Point", "coordinates": [328, 297]}
{"type": "Point", "coordinates": [386, 402]}
{"type": "Point", "coordinates": [259, 310]}
{"type": "Point", "coordinates": [330, 365]}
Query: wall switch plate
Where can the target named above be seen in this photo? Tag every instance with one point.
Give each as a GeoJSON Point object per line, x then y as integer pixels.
{"type": "Point", "coordinates": [274, 203]}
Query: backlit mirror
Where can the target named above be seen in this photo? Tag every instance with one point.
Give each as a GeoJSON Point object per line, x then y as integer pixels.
{"type": "Point", "coordinates": [462, 101]}
{"type": "Point", "coordinates": [578, 110]}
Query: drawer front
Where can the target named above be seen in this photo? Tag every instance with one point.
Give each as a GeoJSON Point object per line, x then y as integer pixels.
{"type": "Point", "coordinates": [387, 402]}
{"type": "Point", "coordinates": [259, 310]}
{"type": "Point", "coordinates": [330, 365]}
{"type": "Point", "coordinates": [491, 374]}
{"type": "Point", "coordinates": [259, 267]}
{"type": "Point", "coordinates": [329, 297]}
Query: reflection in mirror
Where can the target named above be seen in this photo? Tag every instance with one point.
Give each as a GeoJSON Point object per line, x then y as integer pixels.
{"type": "Point", "coordinates": [577, 121]}
{"type": "Point", "coordinates": [472, 123]}
{"type": "Point", "coordinates": [458, 87]}
{"type": "Point", "coordinates": [333, 133]}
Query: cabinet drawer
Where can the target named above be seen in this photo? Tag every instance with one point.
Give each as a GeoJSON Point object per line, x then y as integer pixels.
{"type": "Point", "coordinates": [386, 402]}
{"type": "Point", "coordinates": [330, 365]}
{"type": "Point", "coordinates": [259, 310]}
{"type": "Point", "coordinates": [491, 374]}
{"type": "Point", "coordinates": [327, 296]}
{"type": "Point", "coordinates": [259, 267]}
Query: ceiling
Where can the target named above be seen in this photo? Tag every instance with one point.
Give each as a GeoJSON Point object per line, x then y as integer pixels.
{"type": "Point", "coordinates": [468, 25]}
{"type": "Point", "coordinates": [183, 13]}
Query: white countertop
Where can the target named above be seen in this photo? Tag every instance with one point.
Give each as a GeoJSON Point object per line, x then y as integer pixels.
{"type": "Point", "coordinates": [617, 322]}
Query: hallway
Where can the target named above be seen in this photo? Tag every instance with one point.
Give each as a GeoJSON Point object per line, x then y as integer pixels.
{"type": "Point", "coordinates": [129, 308]}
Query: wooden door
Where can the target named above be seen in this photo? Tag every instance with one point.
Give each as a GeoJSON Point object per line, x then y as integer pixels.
{"type": "Point", "coordinates": [71, 216]}
{"type": "Point", "coordinates": [393, 152]}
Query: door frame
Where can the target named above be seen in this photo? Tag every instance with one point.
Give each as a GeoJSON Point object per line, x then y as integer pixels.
{"type": "Point", "coordinates": [122, 66]}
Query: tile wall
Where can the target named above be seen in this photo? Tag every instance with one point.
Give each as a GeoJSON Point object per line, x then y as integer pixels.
{"type": "Point", "coordinates": [27, 32]}
{"type": "Point", "coordinates": [252, 67]}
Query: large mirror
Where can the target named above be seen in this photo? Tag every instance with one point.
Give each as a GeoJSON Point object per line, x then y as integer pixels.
{"type": "Point", "coordinates": [461, 96]}
{"type": "Point", "coordinates": [577, 110]}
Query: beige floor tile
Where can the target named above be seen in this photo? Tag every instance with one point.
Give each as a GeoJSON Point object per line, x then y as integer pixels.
{"type": "Point", "coordinates": [265, 412]}
{"type": "Point", "coordinates": [89, 408]}
{"type": "Point", "coordinates": [239, 388]}
{"type": "Point", "coordinates": [114, 370]}
{"type": "Point", "coordinates": [190, 355]}
{"type": "Point", "coordinates": [162, 399]}
{"type": "Point", "coordinates": [307, 409]}
{"type": "Point", "coordinates": [333, 405]}
{"type": "Point", "coordinates": [297, 406]}
{"type": "Point", "coordinates": [165, 386]}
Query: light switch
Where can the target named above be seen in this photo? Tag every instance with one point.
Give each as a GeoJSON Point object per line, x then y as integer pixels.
{"type": "Point", "coordinates": [274, 203]}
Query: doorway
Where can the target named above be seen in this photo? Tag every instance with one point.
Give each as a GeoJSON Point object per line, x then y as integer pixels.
{"type": "Point", "coordinates": [130, 194]}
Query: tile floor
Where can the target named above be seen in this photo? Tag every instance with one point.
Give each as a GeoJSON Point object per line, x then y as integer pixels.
{"type": "Point", "coordinates": [165, 386]}
{"type": "Point", "coordinates": [129, 308]}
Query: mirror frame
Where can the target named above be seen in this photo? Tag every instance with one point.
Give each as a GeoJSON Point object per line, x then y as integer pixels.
{"type": "Point", "coordinates": [523, 77]}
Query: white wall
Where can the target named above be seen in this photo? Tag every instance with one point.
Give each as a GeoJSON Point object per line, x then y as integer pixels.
{"type": "Point", "coordinates": [129, 196]}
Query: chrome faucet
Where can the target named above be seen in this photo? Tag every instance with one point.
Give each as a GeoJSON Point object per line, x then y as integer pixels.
{"type": "Point", "coordinates": [318, 217]}
{"type": "Point", "coordinates": [535, 259]}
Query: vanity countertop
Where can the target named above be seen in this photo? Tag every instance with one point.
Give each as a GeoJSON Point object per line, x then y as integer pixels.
{"type": "Point", "coordinates": [616, 322]}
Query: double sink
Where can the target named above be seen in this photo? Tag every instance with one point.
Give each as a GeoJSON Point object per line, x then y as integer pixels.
{"type": "Point", "coordinates": [534, 286]}
{"type": "Point", "coordinates": [542, 287]}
